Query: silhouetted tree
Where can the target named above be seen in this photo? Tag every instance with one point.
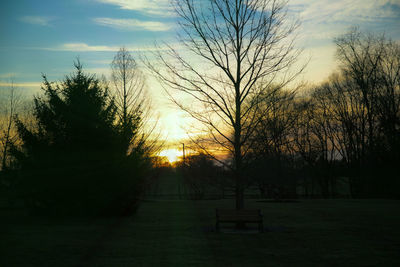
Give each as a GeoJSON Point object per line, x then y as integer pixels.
{"type": "Point", "coordinates": [74, 159]}
{"type": "Point", "coordinates": [352, 120]}
{"type": "Point", "coordinates": [322, 133]}
{"type": "Point", "coordinates": [201, 176]}
{"type": "Point", "coordinates": [133, 104]}
{"type": "Point", "coordinates": [368, 85]}
{"type": "Point", "coordinates": [271, 144]}
{"type": "Point", "coordinates": [11, 104]}
{"type": "Point", "coordinates": [240, 44]}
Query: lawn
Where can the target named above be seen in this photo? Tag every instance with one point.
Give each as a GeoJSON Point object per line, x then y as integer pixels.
{"type": "Point", "coordinates": [168, 231]}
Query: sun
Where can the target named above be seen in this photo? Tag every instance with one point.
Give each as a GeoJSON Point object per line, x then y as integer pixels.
{"type": "Point", "coordinates": [172, 154]}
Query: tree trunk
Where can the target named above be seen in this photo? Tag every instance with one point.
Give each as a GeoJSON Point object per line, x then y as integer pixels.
{"type": "Point", "coordinates": [238, 152]}
{"type": "Point", "coordinates": [239, 193]}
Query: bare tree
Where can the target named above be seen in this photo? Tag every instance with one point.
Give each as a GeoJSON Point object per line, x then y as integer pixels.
{"type": "Point", "coordinates": [372, 63]}
{"type": "Point", "coordinates": [272, 143]}
{"type": "Point", "coordinates": [367, 99]}
{"type": "Point", "coordinates": [232, 51]}
{"type": "Point", "coordinates": [10, 105]}
{"type": "Point", "coordinates": [133, 102]}
{"type": "Point", "coordinates": [350, 124]}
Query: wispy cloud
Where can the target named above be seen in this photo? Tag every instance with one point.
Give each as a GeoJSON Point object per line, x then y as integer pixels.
{"type": "Point", "coordinates": [8, 75]}
{"type": "Point", "coordinates": [149, 7]}
{"type": "Point", "coordinates": [37, 20]}
{"type": "Point", "coordinates": [83, 47]}
{"type": "Point", "coordinates": [325, 19]}
{"type": "Point", "coordinates": [27, 84]}
{"type": "Point", "coordinates": [99, 71]}
{"type": "Point", "coordinates": [132, 24]}
{"type": "Point", "coordinates": [346, 10]}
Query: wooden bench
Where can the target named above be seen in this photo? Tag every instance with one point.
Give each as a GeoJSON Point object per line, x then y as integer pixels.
{"type": "Point", "coordinates": [239, 216]}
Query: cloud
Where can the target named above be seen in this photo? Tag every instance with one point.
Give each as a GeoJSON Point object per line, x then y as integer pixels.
{"type": "Point", "coordinates": [8, 75]}
{"type": "Point", "coordinates": [27, 84]}
{"type": "Point", "coordinates": [132, 24]}
{"type": "Point", "coordinates": [149, 7]}
{"type": "Point", "coordinates": [345, 10]}
{"type": "Point", "coordinates": [36, 20]}
{"type": "Point", "coordinates": [325, 19]}
{"type": "Point", "coordinates": [99, 71]}
{"type": "Point", "coordinates": [83, 47]}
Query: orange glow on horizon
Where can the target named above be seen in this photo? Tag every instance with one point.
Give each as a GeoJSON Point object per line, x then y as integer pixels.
{"type": "Point", "coordinates": [172, 155]}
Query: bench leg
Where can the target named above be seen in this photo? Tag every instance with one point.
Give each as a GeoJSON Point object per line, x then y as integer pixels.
{"type": "Point", "coordinates": [217, 227]}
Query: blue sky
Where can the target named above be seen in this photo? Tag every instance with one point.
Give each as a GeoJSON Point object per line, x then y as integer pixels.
{"type": "Point", "coordinates": [46, 36]}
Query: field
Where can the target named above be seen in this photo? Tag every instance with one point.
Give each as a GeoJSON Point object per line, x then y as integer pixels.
{"type": "Point", "coordinates": [168, 231]}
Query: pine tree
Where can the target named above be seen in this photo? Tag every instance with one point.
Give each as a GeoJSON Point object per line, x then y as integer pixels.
{"type": "Point", "coordinates": [74, 158]}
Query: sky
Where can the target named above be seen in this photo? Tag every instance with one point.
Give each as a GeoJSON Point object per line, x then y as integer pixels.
{"type": "Point", "coordinates": [46, 36]}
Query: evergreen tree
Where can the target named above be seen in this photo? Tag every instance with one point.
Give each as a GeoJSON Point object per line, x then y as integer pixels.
{"type": "Point", "coordinates": [74, 158]}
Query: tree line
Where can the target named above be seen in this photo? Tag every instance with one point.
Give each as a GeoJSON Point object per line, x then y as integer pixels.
{"type": "Point", "coordinates": [239, 63]}
{"type": "Point", "coordinates": [340, 138]}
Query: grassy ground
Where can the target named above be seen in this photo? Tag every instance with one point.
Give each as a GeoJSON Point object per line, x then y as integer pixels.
{"type": "Point", "coordinates": [175, 232]}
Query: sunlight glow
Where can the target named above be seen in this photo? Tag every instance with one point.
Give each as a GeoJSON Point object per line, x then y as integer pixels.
{"type": "Point", "coordinates": [172, 154]}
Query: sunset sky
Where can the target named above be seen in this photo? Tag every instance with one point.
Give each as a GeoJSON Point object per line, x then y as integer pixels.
{"type": "Point", "coordinates": [46, 36]}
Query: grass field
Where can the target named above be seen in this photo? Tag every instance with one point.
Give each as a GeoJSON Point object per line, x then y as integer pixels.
{"type": "Point", "coordinates": [175, 232]}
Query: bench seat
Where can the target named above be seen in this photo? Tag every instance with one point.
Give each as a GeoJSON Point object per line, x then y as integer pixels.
{"type": "Point", "coordinates": [239, 216]}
